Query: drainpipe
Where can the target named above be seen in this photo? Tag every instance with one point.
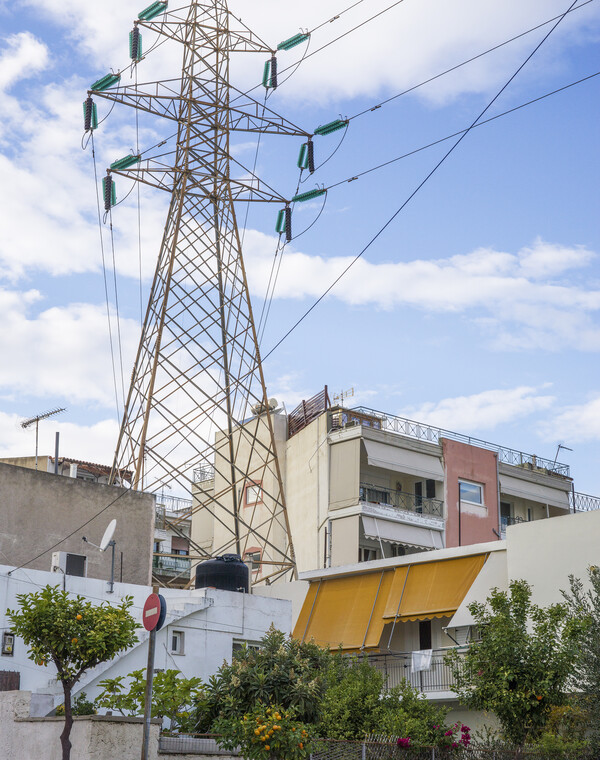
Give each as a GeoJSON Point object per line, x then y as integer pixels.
{"type": "Point", "coordinates": [499, 533]}
{"type": "Point", "coordinates": [459, 525]}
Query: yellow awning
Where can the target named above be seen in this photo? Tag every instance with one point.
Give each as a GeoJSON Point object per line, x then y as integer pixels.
{"type": "Point", "coordinates": [345, 611]}
{"type": "Point", "coordinates": [352, 610]}
{"type": "Point", "coordinates": [431, 589]}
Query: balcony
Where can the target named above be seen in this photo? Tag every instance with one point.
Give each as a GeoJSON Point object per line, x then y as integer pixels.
{"type": "Point", "coordinates": [172, 566]}
{"type": "Point", "coordinates": [401, 500]}
{"type": "Point", "coordinates": [424, 432]}
{"type": "Point", "coordinates": [396, 667]}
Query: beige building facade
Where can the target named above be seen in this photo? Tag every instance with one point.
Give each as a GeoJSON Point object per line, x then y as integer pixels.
{"type": "Point", "coordinates": [362, 485]}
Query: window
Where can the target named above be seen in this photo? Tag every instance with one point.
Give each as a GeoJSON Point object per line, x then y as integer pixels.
{"type": "Point", "coordinates": [367, 555]}
{"type": "Point", "coordinates": [418, 495]}
{"type": "Point", "coordinates": [177, 640]}
{"type": "Point", "coordinates": [472, 492]}
{"type": "Point", "coordinates": [253, 556]}
{"type": "Point", "coordinates": [397, 550]}
{"type": "Point", "coordinates": [8, 644]}
{"type": "Point", "coordinates": [253, 494]}
{"type": "Point", "coordinates": [182, 552]}
{"type": "Point", "coordinates": [157, 546]}
{"type": "Point", "coordinates": [239, 645]}
{"type": "Point", "coordinates": [430, 489]}
{"type": "Point", "coordinates": [425, 634]}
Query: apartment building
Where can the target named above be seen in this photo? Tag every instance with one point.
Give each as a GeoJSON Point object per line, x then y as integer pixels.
{"type": "Point", "coordinates": [363, 485]}
{"type": "Point", "coordinates": [171, 562]}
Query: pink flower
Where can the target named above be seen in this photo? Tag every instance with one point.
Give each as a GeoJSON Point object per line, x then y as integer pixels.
{"type": "Point", "coordinates": [448, 732]}
{"type": "Point", "coordinates": [465, 729]}
{"type": "Point", "coordinates": [404, 742]}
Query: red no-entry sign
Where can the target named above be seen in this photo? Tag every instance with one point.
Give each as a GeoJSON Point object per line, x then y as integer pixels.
{"type": "Point", "coordinates": [154, 612]}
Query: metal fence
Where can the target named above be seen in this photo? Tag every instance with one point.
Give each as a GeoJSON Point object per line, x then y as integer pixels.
{"type": "Point", "coordinates": [330, 749]}
{"type": "Point", "coordinates": [401, 500]}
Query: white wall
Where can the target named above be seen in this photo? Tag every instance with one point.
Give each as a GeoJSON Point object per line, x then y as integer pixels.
{"type": "Point", "coordinates": [211, 620]}
{"type": "Point", "coordinates": [546, 552]}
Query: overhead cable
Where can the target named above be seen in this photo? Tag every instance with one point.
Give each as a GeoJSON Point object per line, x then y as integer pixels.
{"type": "Point", "coordinates": [419, 186]}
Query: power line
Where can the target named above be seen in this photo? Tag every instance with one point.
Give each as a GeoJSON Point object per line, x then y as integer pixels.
{"type": "Point", "coordinates": [460, 132]}
{"type": "Point", "coordinates": [464, 63]}
{"type": "Point", "coordinates": [419, 186]}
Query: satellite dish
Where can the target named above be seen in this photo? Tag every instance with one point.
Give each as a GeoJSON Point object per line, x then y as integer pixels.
{"type": "Point", "coordinates": [108, 534]}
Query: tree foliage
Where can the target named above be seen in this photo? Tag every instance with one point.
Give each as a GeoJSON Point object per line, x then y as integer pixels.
{"type": "Point", "coordinates": [266, 733]}
{"type": "Point", "coordinates": [520, 668]}
{"type": "Point", "coordinates": [173, 696]}
{"type": "Point", "coordinates": [584, 606]}
{"type": "Point", "coordinates": [283, 673]}
{"type": "Point", "coordinates": [73, 634]}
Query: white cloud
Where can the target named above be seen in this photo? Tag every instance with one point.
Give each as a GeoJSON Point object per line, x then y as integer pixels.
{"type": "Point", "coordinates": [402, 47]}
{"type": "Point", "coordinates": [481, 411]}
{"type": "Point", "coordinates": [91, 443]}
{"type": "Point", "coordinates": [61, 352]}
{"type": "Point", "coordinates": [518, 301]}
{"type": "Point", "coordinates": [577, 423]}
{"type": "Point", "coordinates": [23, 57]}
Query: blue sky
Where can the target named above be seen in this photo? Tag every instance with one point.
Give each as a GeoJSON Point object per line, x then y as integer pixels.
{"type": "Point", "coordinates": [476, 310]}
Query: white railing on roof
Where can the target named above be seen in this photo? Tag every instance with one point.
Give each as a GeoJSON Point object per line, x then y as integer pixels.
{"type": "Point", "coordinates": [423, 432]}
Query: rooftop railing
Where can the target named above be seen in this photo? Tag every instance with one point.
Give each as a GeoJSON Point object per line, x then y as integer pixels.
{"type": "Point", "coordinates": [202, 474]}
{"type": "Point", "coordinates": [423, 432]}
{"type": "Point", "coordinates": [171, 565]}
{"type": "Point", "coordinates": [401, 500]}
{"type": "Point", "coordinates": [583, 502]}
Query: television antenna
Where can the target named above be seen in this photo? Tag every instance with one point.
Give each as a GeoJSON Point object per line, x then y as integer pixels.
{"type": "Point", "coordinates": [107, 540]}
{"type": "Point", "coordinates": [342, 395]}
{"type": "Point", "coordinates": [559, 447]}
{"type": "Point", "coordinates": [38, 417]}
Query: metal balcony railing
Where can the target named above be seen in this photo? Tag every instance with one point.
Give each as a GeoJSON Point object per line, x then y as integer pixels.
{"type": "Point", "coordinates": [202, 474]}
{"type": "Point", "coordinates": [396, 667]}
{"type": "Point", "coordinates": [423, 432]}
{"type": "Point", "coordinates": [171, 565]}
{"type": "Point", "coordinates": [401, 500]}
{"type": "Point", "coordinates": [583, 502]}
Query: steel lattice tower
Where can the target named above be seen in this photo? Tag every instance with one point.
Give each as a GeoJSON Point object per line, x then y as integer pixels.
{"type": "Point", "coordinates": [197, 374]}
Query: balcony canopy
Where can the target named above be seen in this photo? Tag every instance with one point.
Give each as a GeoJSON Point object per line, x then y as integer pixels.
{"type": "Point", "coordinates": [400, 459]}
{"type": "Point", "coordinates": [351, 611]}
{"type": "Point", "coordinates": [401, 533]}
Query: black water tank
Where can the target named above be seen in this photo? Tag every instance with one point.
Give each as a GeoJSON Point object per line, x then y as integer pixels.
{"type": "Point", "coordinates": [227, 572]}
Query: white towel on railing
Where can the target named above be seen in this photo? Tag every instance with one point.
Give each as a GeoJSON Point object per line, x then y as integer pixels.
{"type": "Point", "coordinates": [421, 660]}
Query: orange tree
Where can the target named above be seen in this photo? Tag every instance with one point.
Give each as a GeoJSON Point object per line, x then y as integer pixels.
{"type": "Point", "coordinates": [74, 635]}
{"type": "Point", "coordinates": [521, 666]}
{"type": "Point", "coordinates": [266, 733]}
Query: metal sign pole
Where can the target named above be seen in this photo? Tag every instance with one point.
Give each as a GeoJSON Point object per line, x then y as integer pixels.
{"type": "Point", "coordinates": [148, 694]}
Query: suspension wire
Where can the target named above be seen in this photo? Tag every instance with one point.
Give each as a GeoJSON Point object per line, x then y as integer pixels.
{"type": "Point", "coordinates": [118, 318]}
{"type": "Point", "coordinates": [464, 63]}
{"type": "Point", "coordinates": [419, 186]}
{"type": "Point", "coordinates": [110, 338]}
{"type": "Point", "coordinates": [460, 132]}
{"type": "Point", "coordinates": [327, 44]}
{"type": "Point", "coordinates": [336, 17]}
{"type": "Point", "coordinates": [260, 134]}
{"type": "Point", "coordinates": [139, 208]}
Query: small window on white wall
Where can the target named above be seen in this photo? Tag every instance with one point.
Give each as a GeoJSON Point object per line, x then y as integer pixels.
{"type": "Point", "coordinates": [177, 642]}
{"type": "Point", "coordinates": [472, 492]}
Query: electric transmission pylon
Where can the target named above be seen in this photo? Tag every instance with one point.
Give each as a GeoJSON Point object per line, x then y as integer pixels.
{"type": "Point", "coordinates": [197, 397]}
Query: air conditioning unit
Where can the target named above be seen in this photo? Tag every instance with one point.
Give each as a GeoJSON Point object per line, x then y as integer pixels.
{"type": "Point", "coordinates": [69, 564]}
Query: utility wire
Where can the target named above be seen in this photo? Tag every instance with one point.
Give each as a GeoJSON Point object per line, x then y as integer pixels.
{"type": "Point", "coordinates": [464, 63]}
{"type": "Point", "coordinates": [110, 338]}
{"type": "Point", "coordinates": [327, 44]}
{"type": "Point", "coordinates": [336, 17]}
{"type": "Point", "coordinates": [72, 533]}
{"type": "Point", "coordinates": [460, 132]}
{"type": "Point", "coordinates": [419, 186]}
